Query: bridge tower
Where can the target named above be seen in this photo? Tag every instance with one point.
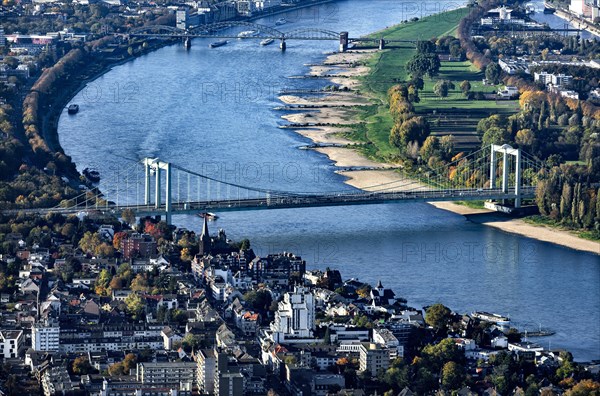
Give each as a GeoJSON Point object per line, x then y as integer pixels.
{"type": "Point", "coordinates": [506, 150]}
{"type": "Point", "coordinates": [157, 166]}
{"type": "Point", "coordinates": [282, 45]}
{"type": "Point", "coordinates": [381, 44]}
{"type": "Point", "coordinates": [343, 41]}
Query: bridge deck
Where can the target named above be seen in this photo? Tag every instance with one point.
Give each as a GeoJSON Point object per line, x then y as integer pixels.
{"type": "Point", "coordinates": [300, 201]}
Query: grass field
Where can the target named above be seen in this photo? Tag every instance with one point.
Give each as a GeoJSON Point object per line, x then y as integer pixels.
{"type": "Point", "coordinates": [452, 115]}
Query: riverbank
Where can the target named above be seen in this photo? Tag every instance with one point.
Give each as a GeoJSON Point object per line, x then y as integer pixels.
{"type": "Point", "coordinates": [570, 17]}
{"type": "Point", "coordinates": [332, 121]}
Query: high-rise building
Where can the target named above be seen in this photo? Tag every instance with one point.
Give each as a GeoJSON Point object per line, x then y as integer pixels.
{"type": "Point", "coordinates": [295, 316]}
{"type": "Point", "coordinates": [206, 371]}
{"type": "Point", "coordinates": [45, 337]}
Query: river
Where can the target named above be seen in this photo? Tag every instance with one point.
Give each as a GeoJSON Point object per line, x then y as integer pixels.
{"type": "Point", "coordinates": [211, 110]}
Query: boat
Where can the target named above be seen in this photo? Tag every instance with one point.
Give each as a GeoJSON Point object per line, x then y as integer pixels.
{"type": "Point", "coordinates": [247, 33]}
{"type": "Point", "coordinates": [491, 317]}
{"type": "Point", "coordinates": [208, 216]}
{"type": "Point", "coordinates": [266, 41]}
{"type": "Point", "coordinates": [91, 175]}
{"type": "Point", "coordinates": [280, 21]}
{"type": "Point", "coordinates": [218, 44]}
{"type": "Point", "coordinates": [73, 109]}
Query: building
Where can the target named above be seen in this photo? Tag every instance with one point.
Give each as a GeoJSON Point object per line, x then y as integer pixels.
{"type": "Point", "coordinates": [557, 80]}
{"type": "Point", "coordinates": [295, 316]}
{"type": "Point", "coordinates": [229, 381]}
{"type": "Point", "coordinates": [205, 243]}
{"type": "Point", "coordinates": [387, 339]}
{"type": "Point", "coordinates": [45, 338]}
{"type": "Point", "coordinates": [373, 358]}
{"type": "Point", "coordinates": [138, 245]}
{"type": "Point", "coordinates": [205, 372]}
{"type": "Point", "coordinates": [10, 343]}
{"type": "Point", "coordinates": [167, 374]}
{"type": "Point", "coordinates": [508, 92]}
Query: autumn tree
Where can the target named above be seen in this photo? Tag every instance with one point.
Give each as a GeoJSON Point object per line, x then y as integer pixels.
{"type": "Point", "coordinates": [81, 366]}
{"type": "Point", "coordinates": [135, 305]}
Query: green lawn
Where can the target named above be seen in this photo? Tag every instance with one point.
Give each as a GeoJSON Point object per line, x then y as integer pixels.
{"type": "Point", "coordinates": [452, 115]}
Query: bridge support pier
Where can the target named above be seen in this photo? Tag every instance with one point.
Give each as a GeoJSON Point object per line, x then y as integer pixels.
{"type": "Point", "coordinates": [381, 43]}
{"type": "Point", "coordinates": [282, 45]}
{"type": "Point", "coordinates": [343, 41]}
{"type": "Point", "coordinates": [187, 43]}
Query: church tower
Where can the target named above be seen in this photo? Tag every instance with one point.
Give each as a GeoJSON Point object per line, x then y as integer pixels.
{"type": "Point", "coordinates": [204, 245]}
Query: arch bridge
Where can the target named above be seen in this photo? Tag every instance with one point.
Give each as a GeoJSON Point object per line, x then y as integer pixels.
{"type": "Point", "coordinates": [230, 30]}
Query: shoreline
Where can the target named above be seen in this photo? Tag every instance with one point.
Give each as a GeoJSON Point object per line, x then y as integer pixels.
{"type": "Point", "coordinates": [334, 112]}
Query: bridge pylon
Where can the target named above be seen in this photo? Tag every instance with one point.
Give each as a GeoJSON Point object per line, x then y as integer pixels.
{"type": "Point", "coordinates": [157, 166]}
{"type": "Point", "coordinates": [506, 150]}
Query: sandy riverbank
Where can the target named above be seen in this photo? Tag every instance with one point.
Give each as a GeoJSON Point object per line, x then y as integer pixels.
{"type": "Point", "coordinates": [334, 112]}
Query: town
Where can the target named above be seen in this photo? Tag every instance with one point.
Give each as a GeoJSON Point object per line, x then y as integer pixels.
{"type": "Point", "coordinates": [92, 305]}
{"type": "Point", "coordinates": [109, 303]}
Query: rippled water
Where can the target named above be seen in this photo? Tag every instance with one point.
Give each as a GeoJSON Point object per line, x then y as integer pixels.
{"type": "Point", "coordinates": [211, 110]}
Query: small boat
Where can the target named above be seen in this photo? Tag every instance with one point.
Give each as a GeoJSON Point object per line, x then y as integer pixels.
{"type": "Point", "coordinates": [280, 21]}
{"type": "Point", "coordinates": [208, 216]}
{"type": "Point", "coordinates": [267, 41]}
{"type": "Point", "coordinates": [73, 109]}
{"type": "Point", "coordinates": [247, 33]}
{"type": "Point", "coordinates": [218, 44]}
{"type": "Point", "coordinates": [491, 317]}
{"type": "Point", "coordinates": [91, 175]}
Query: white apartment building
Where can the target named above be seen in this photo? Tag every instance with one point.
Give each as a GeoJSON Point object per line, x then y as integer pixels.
{"type": "Point", "coordinates": [10, 342]}
{"type": "Point", "coordinates": [45, 338]}
{"type": "Point", "coordinates": [295, 316]}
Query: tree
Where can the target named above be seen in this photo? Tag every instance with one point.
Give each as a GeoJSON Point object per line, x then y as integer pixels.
{"type": "Point", "coordinates": [258, 300]}
{"type": "Point", "coordinates": [525, 137]}
{"type": "Point", "coordinates": [495, 135]}
{"type": "Point", "coordinates": [465, 87]}
{"type": "Point", "coordinates": [415, 129]}
{"type": "Point", "coordinates": [452, 376]}
{"type": "Point", "coordinates": [396, 377]}
{"type": "Point", "coordinates": [585, 387]}
{"type": "Point", "coordinates": [492, 73]}
{"type": "Point", "coordinates": [431, 147]}
{"type": "Point", "coordinates": [81, 366]}
{"type": "Point", "coordinates": [423, 65]}
{"type": "Point", "coordinates": [442, 87]}
{"type": "Point", "coordinates": [90, 242]}
{"type": "Point", "coordinates": [102, 282]}
{"type": "Point", "coordinates": [425, 47]}
{"type": "Point", "coordinates": [128, 216]}
{"type": "Point", "coordinates": [438, 316]}
{"type": "Point", "coordinates": [134, 305]}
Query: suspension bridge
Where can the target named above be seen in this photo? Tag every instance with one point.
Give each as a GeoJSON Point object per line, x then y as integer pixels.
{"type": "Point", "coordinates": [152, 187]}
{"type": "Point", "coordinates": [230, 29]}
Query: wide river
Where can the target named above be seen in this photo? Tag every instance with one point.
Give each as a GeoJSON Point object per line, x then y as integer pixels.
{"type": "Point", "coordinates": [211, 110]}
